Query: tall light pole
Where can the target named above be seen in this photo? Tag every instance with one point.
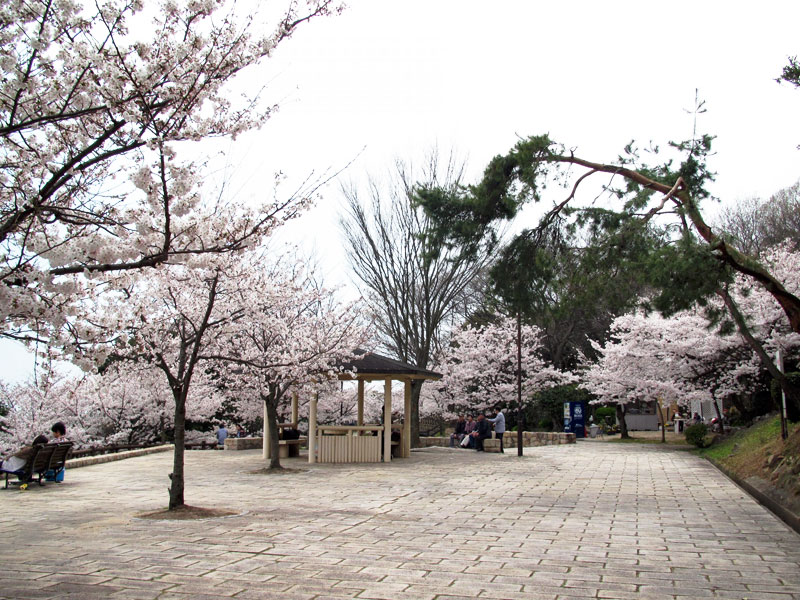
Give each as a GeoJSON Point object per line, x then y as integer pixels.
{"type": "Point", "coordinates": [520, 414]}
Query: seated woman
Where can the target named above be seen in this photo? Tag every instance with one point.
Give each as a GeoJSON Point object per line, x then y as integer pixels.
{"type": "Point", "coordinates": [17, 460]}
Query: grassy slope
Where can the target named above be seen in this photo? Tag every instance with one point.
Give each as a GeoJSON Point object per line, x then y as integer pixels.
{"type": "Point", "coordinates": [760, 452]}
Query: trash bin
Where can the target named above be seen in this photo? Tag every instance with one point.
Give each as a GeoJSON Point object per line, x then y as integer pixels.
{"type": "Point", "coordinates": [593, 429]}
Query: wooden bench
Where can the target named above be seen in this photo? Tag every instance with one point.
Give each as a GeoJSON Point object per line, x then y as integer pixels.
{"type": "Point", "coordinates": [43, 458]}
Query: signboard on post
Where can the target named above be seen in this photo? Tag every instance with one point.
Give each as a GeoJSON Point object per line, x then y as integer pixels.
{"type": "Point", "coordinates": [574, 421]}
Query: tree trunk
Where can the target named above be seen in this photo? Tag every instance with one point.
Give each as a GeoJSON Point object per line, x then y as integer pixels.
{"type": "Point", "coordinates": [719, 416]}
{"type": "Point", "coordinates": [663, 421]}
{"type": "Point", "coordinates": [723, 251]}
{"type": "Point", "coordinates": [416, 388]}
{"type": "Point", "coordinates": [176, 487]}
{"type": "Point", "coordinates": [272, 423]}
{"type": "Point", "coordinates": [792, 391]}
{"type": "Point", "coordinates": [558, 425]}
{"type": "Point", "coordinates": [623, 426]}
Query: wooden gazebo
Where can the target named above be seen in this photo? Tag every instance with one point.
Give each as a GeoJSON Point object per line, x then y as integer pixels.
{"type": "Point", "coordinates": [367, 442]}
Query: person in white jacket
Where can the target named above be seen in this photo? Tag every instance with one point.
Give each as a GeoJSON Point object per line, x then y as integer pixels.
{"type": "Point", "coordinates": [499, 421]}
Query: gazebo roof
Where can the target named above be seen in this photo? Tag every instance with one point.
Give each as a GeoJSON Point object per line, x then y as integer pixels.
{"type": "Point", "coordinates": [369, 365]}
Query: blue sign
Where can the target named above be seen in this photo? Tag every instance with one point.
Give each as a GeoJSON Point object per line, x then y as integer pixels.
{"type": "Point", "coordinates": [573, 419]}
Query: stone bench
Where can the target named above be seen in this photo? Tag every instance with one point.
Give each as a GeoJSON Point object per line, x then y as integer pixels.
{"type": "Point", "coordinates": [491, 445]}
{"type": "Point", "coordinates": [243, 443]}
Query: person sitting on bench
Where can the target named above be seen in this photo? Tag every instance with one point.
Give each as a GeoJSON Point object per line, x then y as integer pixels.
{"type": "Point", "coordinates": [17, 460]}
{"type": "Point", "coordinates": [481, 432]}
{"type": "Point", "coordinates": [59, 431]}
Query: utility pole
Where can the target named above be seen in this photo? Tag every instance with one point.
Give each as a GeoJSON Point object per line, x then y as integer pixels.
{"type": "Point", "coordinates": [784, 427]}
{"type": "Point", "coordinates": [520, 414]}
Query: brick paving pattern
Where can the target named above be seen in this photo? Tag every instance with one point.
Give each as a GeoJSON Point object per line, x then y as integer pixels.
{"type": "Point", "coordinates": [579, 521]}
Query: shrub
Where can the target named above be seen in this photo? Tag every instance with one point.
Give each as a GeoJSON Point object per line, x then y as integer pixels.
{"type": "Point", "coordinates": [605, 414]}
{"type": "Point", "coordinates": [696, 435]}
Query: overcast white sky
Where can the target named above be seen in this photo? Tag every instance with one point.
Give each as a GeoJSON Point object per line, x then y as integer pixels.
{"type": "Point", "coordinates": [391, 79]}
{"type": "Point", "coordinates": [396, 78]}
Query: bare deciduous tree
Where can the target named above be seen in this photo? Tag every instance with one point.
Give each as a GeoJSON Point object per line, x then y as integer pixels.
{"type": "Point", "coordinates": [413, 289]}
{"type": "Point", "coordinates": [754, 225]}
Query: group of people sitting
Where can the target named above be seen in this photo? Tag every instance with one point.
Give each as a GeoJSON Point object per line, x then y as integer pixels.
{"type": "Point", "coordinates": [17, 460]}
{"type": "Point", "coordinates": [470, 432]}
{"type": "Point", "coordinates": [223, 433]}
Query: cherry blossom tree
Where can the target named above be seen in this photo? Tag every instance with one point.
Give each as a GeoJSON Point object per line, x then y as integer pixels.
{"type": "Point", "coordinates": [95, 103]}
{"type": "Point", "coordinates": [166, 321]}
{"type": "Point", "coordinates": [293, 332]}
{"type": "Point", "coordinates": [128, 404]}
{"type": "Point", "coordinates": [479, 372]}
{"type": "Point", "coordinates": [683, 358]}
{"type": "Point", "coordinates": [32, 407]}
{"type": "Point", "coordinates": [643, 361]}
{"type": "Point", "coordinates": [337, 402]}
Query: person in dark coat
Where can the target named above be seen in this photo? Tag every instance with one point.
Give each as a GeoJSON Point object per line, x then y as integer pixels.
{"type": "Point", "coordinates": [481, 432]}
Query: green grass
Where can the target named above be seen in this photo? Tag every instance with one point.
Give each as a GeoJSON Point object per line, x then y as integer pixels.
{"type": "Point", "coordinates": [746, 441]}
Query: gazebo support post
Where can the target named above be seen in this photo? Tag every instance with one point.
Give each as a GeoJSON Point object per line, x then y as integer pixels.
{"type": "Point", "coordinates": [312, 429]}
{"type": "Point", "coordinates": [295, 410]}
{"type": "Point", "coordinates": [360, 403]}
{"type": "Point", "coordinates": [387, 420]}
{"type": "Point", "coordinates": [407, 419]}
{"type": "Point", "coordinates": [265, 438]}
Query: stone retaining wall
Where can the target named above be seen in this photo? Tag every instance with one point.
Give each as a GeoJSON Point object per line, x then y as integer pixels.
{"type": "Point", "coordinates": [427, 442]}
{"type": "Point", "coordinates": [76, 463]}
{"type": "Point", "coordinates": [529, 439]}
{"type": "Point", "coordinates": [252, 443]}
{"type": "Point", "coordinates": [538, 438]}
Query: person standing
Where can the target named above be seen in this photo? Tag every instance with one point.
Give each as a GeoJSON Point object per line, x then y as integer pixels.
{"type": "Point", "coordinates": [499, 421]}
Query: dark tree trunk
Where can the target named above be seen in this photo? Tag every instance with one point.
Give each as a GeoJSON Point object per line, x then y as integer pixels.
{"type": "Point", "coordinates": [623, 426]}
{"type": "Point", "coordinates": [272, 424]}
{"type": "Point", "coordinates": [719, 417]}
{"type": "Point", "coordinates": [416, 389]}
{"type": "Point", "coordinates": [663, 421]}
{"type": "Point", "coordinates": [176, 487]}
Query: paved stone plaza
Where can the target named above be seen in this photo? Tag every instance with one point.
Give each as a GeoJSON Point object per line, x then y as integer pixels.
{"type": "Point", "coordinates": [590, 520]}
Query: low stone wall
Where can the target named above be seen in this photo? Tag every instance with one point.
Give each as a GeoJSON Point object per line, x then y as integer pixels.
{"type": "Point", "coordinates": [529, 439]}
{"type": "Point", "coordinates": [427, 442]}
{"type": "Point", "coordinates": [104, 458]}
{"type": "Point", "coordinates": [538, 438]}
{"type": "Point", "coordinates": [252, 443]}
{"type": "Point", "coordinates": [243, 443]}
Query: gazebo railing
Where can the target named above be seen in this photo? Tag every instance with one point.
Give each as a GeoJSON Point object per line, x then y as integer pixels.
{"type": "Point", "coordinates": [349, 443]}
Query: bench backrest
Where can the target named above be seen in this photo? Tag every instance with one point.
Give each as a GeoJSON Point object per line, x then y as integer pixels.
{"type": "Point", "coordinates": [41, 457]}
{"type": "Point", "coordinates": [60, 454]}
